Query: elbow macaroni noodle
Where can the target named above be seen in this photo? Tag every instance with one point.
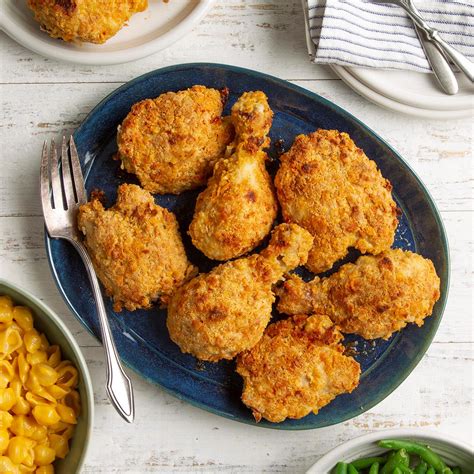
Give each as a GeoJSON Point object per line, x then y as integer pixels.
{"type": "Point", "coordinates": [39, 401]}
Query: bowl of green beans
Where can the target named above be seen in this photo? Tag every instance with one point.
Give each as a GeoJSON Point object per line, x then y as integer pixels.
{"type": "Point", "coordinates": [401, 451]}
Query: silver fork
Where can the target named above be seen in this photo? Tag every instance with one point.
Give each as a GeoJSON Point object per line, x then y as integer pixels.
{"type": "Point", "coordinates": [62, 192]}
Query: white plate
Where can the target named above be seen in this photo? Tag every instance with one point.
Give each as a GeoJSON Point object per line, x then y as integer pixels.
{"type": "Point", "coordinates": [410, 93]}
{"type": "Point", "coordinates": [146, 33]}
{"type": "Point", "coordinates": [453, 451]}
{"type": "Point", "coordinates": [416, 89]}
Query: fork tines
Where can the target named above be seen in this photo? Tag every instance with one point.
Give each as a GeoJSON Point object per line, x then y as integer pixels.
{"type": "Point", "coordinates": [62, 183]}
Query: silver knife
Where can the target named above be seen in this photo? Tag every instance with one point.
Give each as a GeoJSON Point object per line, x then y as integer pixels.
{"type": "Point", "coordinates": [439, 64]}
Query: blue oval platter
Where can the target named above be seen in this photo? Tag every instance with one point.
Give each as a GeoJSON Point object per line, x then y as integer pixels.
{"type": "Point", "coordinates": [142, 338]}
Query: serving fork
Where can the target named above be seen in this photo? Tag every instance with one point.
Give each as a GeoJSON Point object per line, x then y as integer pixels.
{"type": "Point", "coordinates": [62, 192]}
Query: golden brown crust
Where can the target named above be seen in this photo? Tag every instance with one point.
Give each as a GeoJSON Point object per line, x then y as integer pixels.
{"type": "Point", "coordinates": [219, 314]}
{"type": "Point", "coordinates": [236, 210]}
{"type": "Point", "coordinates": [329, 186]}
{"type": "Point", "coordinates": [374, 297]}
{"type": "Point", "coordinates": [296, 368]}
{"type": "Point", "coordinates": [136, 248]}
{"type": "Point", "coordinates": [172, 142]}
{"type": "Point", "coordinates": [252, 119]}
{"type": "Point", "coordinates": [91, 21]}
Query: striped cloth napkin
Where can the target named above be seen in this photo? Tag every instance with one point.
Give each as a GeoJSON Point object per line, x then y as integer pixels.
{"type": "Point", "coordinates": [366, 34]}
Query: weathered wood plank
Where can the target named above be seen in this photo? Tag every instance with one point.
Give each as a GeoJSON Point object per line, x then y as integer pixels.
{"type": "Point", "coordinates": [438, 151]}
{"type": "Point", "coordinates": [23, 260]}
{"type": "Point", "coordinates": [42, 99]}
{"type": "Point", "coordinates": [171, 436]}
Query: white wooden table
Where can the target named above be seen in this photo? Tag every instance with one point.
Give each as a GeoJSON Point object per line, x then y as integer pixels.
{"type": "Point", "coordinates": [42, 99]}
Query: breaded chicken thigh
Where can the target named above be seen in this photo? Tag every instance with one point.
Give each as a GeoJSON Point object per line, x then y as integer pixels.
{"type": "Point", "coordinates": [296, 368]}
{"type": "Point", "coordinates": [329, 186]}
{"type": "Point", "coordinates": [135, 247]}
{"type": "Point", "coordinates": [373, 297]}
{"type": "Point", "coordinates": [236, 210]}
{"type": "Point", "coordinates": [219, 314]}
{"type": "Point", "coordinates": [91, 21]}
{"type": "Point", "coordinates": [172, 142]}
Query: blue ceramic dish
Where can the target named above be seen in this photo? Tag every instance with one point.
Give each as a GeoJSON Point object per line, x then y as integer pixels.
{"type": "Point", "coordinates": [142, 338]}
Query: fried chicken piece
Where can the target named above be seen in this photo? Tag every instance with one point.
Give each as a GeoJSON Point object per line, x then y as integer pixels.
{"type": "Point", "coordinates": [172, 142]}
{"type": "Point", "coordinates": [219, 314]}
{"type": "Point", "coordinates": [236, 210]}
{"type": "Point", "coordinates": [90, 21]}
{"type": "Point", "coordinates": [135, 247]}
{"type": "Point", "coordinates": [329, 186]}
{"type": "Point", "coordinates": [252, 119]}
{"type": "Point", "coordinates": [373, 297]}
{"type": "Point", "coordinates": [296, 368]}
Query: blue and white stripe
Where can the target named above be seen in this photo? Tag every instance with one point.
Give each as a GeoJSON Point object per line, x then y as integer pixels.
{"type": "Point", "coordinates": [367, 34]}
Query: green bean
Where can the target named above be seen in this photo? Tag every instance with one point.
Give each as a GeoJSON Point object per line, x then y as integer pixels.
{"type": "Point", "coordinates": [396, 471]}
{"type": "Point", "coordinates": [341, 468]}
{"type": "Point", "coordinates": [390, 455]}
{"type": "Point", "coordinates": [374, 469]}
{"type": "Point", "coordinates": [405, 469]}
{"type": "Point", "coordinates": [399, 457]}
{"type": "Point", "coordinates": [392, 461]}
{"type": "Point", "coordinates": [431, 470]}
{"type": "Point", "coordinates": [364, 463]}
{"type": "Point", "coordinates": [404, 456]}
{"type": "Point", "coordinates": [421, 468]}
{"type": "Point", "coordinates": [351, 469]}
{"type": "Point", "coordinates": [457, 470]}
{"type": "Point", "coordinates": [421, 450]}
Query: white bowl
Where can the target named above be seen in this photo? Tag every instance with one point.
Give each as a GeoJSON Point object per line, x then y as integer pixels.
{"type": "Point", "coordinates": [453, 451]}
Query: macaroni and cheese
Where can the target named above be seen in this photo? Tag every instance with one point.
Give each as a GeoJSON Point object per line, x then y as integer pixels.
{"type": "Point", "coordinates": [39, 401]}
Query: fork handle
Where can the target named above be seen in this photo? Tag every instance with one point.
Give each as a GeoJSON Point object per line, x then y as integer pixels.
{"type": "Point", "coordinates": [439, 64]}
{"type": "Point", "coordinates": [466, 66]}
{"type": "Point", "coordinates": [119, 386]}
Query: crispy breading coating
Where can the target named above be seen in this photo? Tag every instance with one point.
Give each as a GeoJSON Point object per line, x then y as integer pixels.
{"type": "Point", "coordinates": [236, 210]}
{"type": "Point", "coordinates": [136, 248]}
{"type": "Point", "coordinates": [91, 21]}
{"type": "Point", "coordinates": [219, 314]}
{"type": "Point", "coordinates": [373, 297]}
{"type": "Point", "coordinates": [252, 118]}
{"type": "Point", "coordinates": [329, 186]}
{"type": "Point", "coordinates": [172, 142]}
{"type": "Point", "coordinates": [296, 368]}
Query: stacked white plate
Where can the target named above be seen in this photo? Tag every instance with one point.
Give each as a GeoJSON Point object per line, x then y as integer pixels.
{"type": "Point", "coordinates": [410, 92]}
